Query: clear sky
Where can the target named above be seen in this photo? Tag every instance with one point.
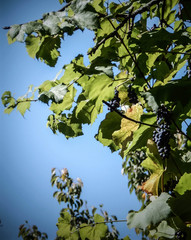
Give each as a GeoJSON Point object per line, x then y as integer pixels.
{"type": "Point", "coordinates": [29, 149]}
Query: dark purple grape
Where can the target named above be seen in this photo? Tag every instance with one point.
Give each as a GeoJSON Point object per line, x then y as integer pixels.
{"type": "Point", "coordinates": [180, 235]}
{"type": "Point", "coordinates": [161, 135]}
{"type": "Point", "coordinates": [132, 95]}
{"type": "Point", "coordinates": [115, 102]}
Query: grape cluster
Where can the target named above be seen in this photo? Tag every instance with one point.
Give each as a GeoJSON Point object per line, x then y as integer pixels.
{"type": "Point", "coordinates": [180, 235]}
{"type": "Point", "coordinates": [132, 95]}
{"type": "Point", "coordinates": [115, 102]}
{"type": "Point", "coordinates": [161, 135]}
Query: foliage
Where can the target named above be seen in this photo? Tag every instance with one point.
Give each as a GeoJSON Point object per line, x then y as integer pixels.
{"type": "Point", "coordinates": [148, 42]}
{"type": "Point", "coordinates": [28, 232]}
{"type": "Point", "coordinates": [76, 221]}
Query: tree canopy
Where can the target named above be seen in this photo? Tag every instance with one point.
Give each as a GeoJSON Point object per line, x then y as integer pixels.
{"type": "Point", "coordinates": [139, 68]}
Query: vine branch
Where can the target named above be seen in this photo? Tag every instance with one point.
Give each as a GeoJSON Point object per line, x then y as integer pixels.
{"type": "Point", "coordinates": [95, 223]}
{"type": "Point", "coordinates": [128, 16]}
{"type": "Point", "coordinates": [124, 116]}
{"type": "Point", "coordinates": [134, 60]}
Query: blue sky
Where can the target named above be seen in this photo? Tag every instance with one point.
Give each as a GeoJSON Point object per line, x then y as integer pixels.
{"type": "Point", "coordinates": [29, 149]}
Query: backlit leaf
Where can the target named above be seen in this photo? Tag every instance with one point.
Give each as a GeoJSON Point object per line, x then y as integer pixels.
{"type": "Point", "coordinates": [23, 106]}
{"type": "Point", "coordinates": [184, 184]}
{"type": "Point", "coordinates": [128, 126]}
{"type": "Point", "coordinates": [156, 168]}
{"type": "Point", "coordinates": [143, 133]}
{"type": "Point", "coordinates": [110, 124]}
{"type": "Point", "coordinates": [50, 57]}
{"type": "Point", "coordinates": [65, 230]}
{"type": "Point", "coordinates": [32, 45]}
{"type": "Point", "coordinates": [97, 231]}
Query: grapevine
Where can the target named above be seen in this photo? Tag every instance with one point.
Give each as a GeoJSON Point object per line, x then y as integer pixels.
{"type": "Point", "coordinates": [139, 66]}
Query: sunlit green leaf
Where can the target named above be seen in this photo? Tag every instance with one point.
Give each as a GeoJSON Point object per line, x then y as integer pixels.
{"type": "Point", "coordinates": [97, 231]}
{"type": "Point", "coordinates": [23, 106]}
{"type": "Point", "coordinates": [155, 166]}
{"type": "Point", "coordinates": [143, 133]}
{"type": "Point", "coordinates": [65, 229]}
{"type": "Point", "coordinates": [184, 184]}
{"type": "Point", "coordinates": [50, 57]}
{"type": "Point", "coordinates": [32, 45]}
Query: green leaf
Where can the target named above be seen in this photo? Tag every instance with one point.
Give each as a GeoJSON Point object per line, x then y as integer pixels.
{"type": "Point", "coordinates": [23, 106]}
{"type": "Point", "coordinates": [143, 133]}
{"type": "Point", "coordinates": [65, 229]}
{"type": "Point", "coordinates": [85, 15]}
{"type": "Point", "coordinates": [50, 57]}
{"type": "Point", "coordinates": [31, 27]}
{"type": "Point", "coordinates": [176, 91]}
{"type": "Point", "coordinates": [181, 206]}
{"type": "Point", "coordinates": [46, 86]}
{"type": "Point", "coordinates": [50, 23]}
{"type": "Point", "coordinates": [127, 126]}
{"type": "Point", "coordinates": [95, 90]}
{"type": "Point", "coordinates": [110, 124]}
{"type": "Point", "coordinates": [101, 65]}
{"type": "Point", "coordinates": [33, 45]}
{"type": "Point", "coordinates": [155, 166]}
{"type": "Point", "coordinates": [67, 127]}
{"type": "Point", "coordinates": [69, 71]}
{"type": "Point", "coordinates": [98, 231]}
{"type": "Point", "coordinates": [154, 213]}
{"type": "Point", "coordinates": [8, 102]}
{"type": "Point", "coordinates": [161, 70]}
{"type": "Point", "coordinates": [66, 103]}
{"type": "Point", "coordinates": [126, 238]}
{"type": "Point", "coordinates": [184, 184]}
{"type": "Point", "coordinates": [56, 94]}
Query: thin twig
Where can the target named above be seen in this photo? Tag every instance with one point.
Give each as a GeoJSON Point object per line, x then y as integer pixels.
{"type": "Point", "coordinates": [17, 102]}
{"type": "Point", "coordinates": [124, 116]}
{"type": "Point", "coordinates": [122, 83]}
{"type": "Point", "coordinates": [132, 15]}
{"type": "Point", "coordinates": [134, 60]}
{"type": "Point", "coordinates": [95, 223]}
